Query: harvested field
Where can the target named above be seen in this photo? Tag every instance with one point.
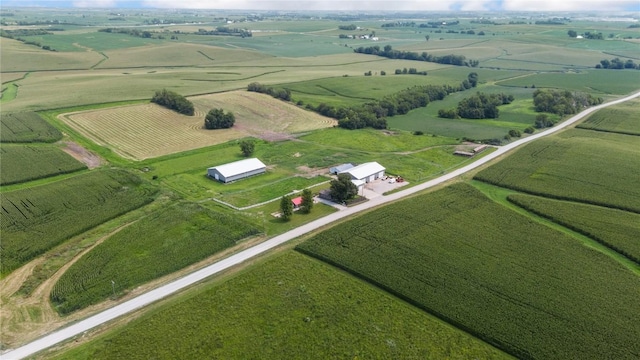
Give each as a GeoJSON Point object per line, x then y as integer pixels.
{"type": "Point", "coordinates": [147, 131]}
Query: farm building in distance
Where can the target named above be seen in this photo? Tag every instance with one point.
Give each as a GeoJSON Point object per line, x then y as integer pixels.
{"type": "Point", "coordinates": [237, 170]}
{"type": "Point", "coordinates": [366, 172]}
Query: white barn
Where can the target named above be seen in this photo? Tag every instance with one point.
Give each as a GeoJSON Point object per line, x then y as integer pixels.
{"type": "Point", "coordinates": [237, 170]}
{"type": "Point", "coordinates": [366, 172]}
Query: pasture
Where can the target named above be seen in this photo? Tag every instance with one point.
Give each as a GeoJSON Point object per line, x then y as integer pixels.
{"type": "Point", "coordinates": [21, 163]}
{"type": "Point", "coordinates": [26, 127]}
{"type": "Point", "coordinates": [622, 119]}
{"type": "Point", "coordinates": [290, 304]}
{"type": "Point", "coordinates": [497, 274]}
{"type": "Point", "coordinates": [616, 229]}
{"type": "Point", "coordinates": [145, 131]}
{"type": "Point", "coordinates": [578, 165]}
{"type": "Point", "coordinates": [36, 219]}
{"type": "Point", "coordinates": [156, 245]}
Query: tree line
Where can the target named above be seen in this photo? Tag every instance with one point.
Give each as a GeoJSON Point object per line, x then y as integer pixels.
{"type": "Point", "coordinates": [617, 64]}
{"type": "Point", "coordinates": [374, 113]}
{"type": "Point", "coordinates": [388, 52]}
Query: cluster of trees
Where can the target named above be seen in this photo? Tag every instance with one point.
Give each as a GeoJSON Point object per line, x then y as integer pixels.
{"type": "Point", "coordinates": [342, 189]}
{"type": "Point", "coordinates": [348, 27]}
{"type": "Point", "coordinates": [478, 106]}
{"type": "Point", "coordinates": [225, 31]}
{"type": "Point", "coordinates": [218, 119]}
{"type": "Point", "coordinates": [410, 71]}
{"type": "Point", "coordinates": [173, 101]}
{"type": "Point", "coordinates": [542, 121]}
{"type": "Point", "coordinates": [282, 94]}
{"type": "Point", "coordinates": [562, 102]}
{"type": "Point", "coordinates": [586, 35]}
{"type": "Point", "coordinates": [388, 52]}
{"type": "Point", "coordinates": [616, 63]}
{"type": "Point", "coordinates": [286, 206]}
{"type": "Point", "coordinates": [430, 24]}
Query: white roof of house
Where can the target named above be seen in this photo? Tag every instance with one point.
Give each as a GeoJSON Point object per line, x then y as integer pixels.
{"type": "Point", "coordinates": [363, 170]}
{"type": "Point", "coordinates": [239, 167]}
{"type": "Point", "coordinates": [358, 183]}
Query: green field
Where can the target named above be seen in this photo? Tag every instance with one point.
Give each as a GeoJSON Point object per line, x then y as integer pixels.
{"type": "Point", "coordinates": [598, 82]}
{"type": "Point", "coordinates": [289, 305]}
{"type": "Point", "coordinates": [530, 290]}
{"type": "Point", "coordinates": [616, 229]}
{"type": "Point", "coordinates": [37, 219]}
{"type": "Point", "coordinates": [26, 127]}
{"type": "Point", "coordinates": [622, 119]}
{"type": "Point", "coordinates": [270, 191]}
{"type": "Point", "coordinates": [22, 163]}
{"type": "Point", "coordinates": [578, 165]}
{"type": "Point", "coordinates": [154, 246]}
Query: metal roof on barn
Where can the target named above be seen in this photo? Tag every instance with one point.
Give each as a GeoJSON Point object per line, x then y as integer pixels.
{"type": "Point", "coordinates": [364, 170]}
{"type": "Point", "coordinates": [239, 167]}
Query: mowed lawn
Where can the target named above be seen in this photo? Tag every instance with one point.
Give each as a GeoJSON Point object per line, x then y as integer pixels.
{"type": "Point", "coordinates": [291, 306]}
{"type": "Point", "coordinates": [148, 130]}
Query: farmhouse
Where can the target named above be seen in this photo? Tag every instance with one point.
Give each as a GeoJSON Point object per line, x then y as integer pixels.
{"type": "Point", "coordinates": [236, 170]}
{"type": "Point", "coordinates": [366, 172]}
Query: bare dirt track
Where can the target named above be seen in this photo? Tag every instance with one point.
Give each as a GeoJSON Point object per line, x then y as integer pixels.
{"type": "Point", "coordinates": [81, 154]}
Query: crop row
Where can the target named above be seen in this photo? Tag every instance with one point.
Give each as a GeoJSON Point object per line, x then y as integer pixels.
{"type": "Point", "coordinates": [523, 287]}
{"type": "Point", "coordinates": [26, 127]}
{"type": "Point", "coordinates": [291, 305]}
{"type": "Point", "coordinates": [22, 163]}
{"type": "Point", "coordinates": [36, 219]}
{"type": "Point", "coordinates": [616, 229]}
{"type": "Point", "coordinates": [147, 249]}
{"type": "Point", "coordinates": [622, 118]}
{"type": "Point", "coordinates": [579, 165]}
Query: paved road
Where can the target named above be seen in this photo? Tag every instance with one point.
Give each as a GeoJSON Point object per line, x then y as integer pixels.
{"type": "Point", "coordinates": [177, 285]}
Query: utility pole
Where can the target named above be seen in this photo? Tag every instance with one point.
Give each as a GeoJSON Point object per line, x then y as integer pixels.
{"type": "Point", "coordinates": [113, 287]}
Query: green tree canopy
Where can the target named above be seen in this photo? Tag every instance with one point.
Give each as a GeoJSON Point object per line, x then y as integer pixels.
{"type": "Point", "coordinates": [307, 201]}
{"type": "Point", "coordinates": [286, 208]}
{"type": "Point", "coordinates": [218, 119]}
{"type": "Point", "coordinates": [247, 147]}
{"type": "Point", "coordinates": [343, 189]}
{"type": "Point", "coordinates": [173, 101]}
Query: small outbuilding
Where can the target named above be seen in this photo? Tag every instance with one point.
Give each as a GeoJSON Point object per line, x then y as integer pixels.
{"type": "Point", "coordinates": [366, 172]}
{"type": "Point", "coordinates": [236, 170]}
{"type": "Point", "coordinates": [297, 202]}
{"type": "Point", "coordinates": [340, 168]}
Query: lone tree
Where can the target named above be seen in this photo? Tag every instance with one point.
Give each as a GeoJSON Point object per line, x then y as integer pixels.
{"type": "Point", "coordinates": [307, 201]}
{"type": "Point", "coordinates": [343, 189]}
{"type": "Point", "coordinates": [247, 147]}
{"type": "Point", "coordinates": [286, 208]}
{"type": "Point", "coordinates": [218, 119]}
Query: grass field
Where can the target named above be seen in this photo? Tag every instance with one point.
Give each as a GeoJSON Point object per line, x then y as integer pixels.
{"type": "Point", "coordinates": [622, 119]}
{"type": "Point", "coordinates": [154, 246]}
{"type": "Point", "coordinates": [147, 131]}
{"type": "Point", "coordinates": [22, 163]}
{"type": "Point", "coordinates": [530, 290]}
{"type": "Point", "coordinates": [290, 305]}
{"type": "Point", "coordinates": [26, 127]}
{"type": "Point", "coordinates": [579, 165]}
{"type": "Point", "coordinates": [36, 219]}
{"type": "Point", "coordinates": [598, 82]}
{"type": "Point", "coordinates": [616, 229]}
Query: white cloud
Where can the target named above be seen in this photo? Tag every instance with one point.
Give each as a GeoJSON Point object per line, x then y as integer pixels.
{"type": "Point", "coordinates": [570, 5]}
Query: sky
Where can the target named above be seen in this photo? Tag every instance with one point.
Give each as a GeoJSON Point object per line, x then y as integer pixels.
{"type": "Point", "coordinates": [349, 5]}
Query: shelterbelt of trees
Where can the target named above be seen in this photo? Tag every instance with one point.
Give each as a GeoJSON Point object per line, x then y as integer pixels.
{"type": "Point", "coordinates": [388, 52]}
{"type": "Point", "coordinates": [373, 114]}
